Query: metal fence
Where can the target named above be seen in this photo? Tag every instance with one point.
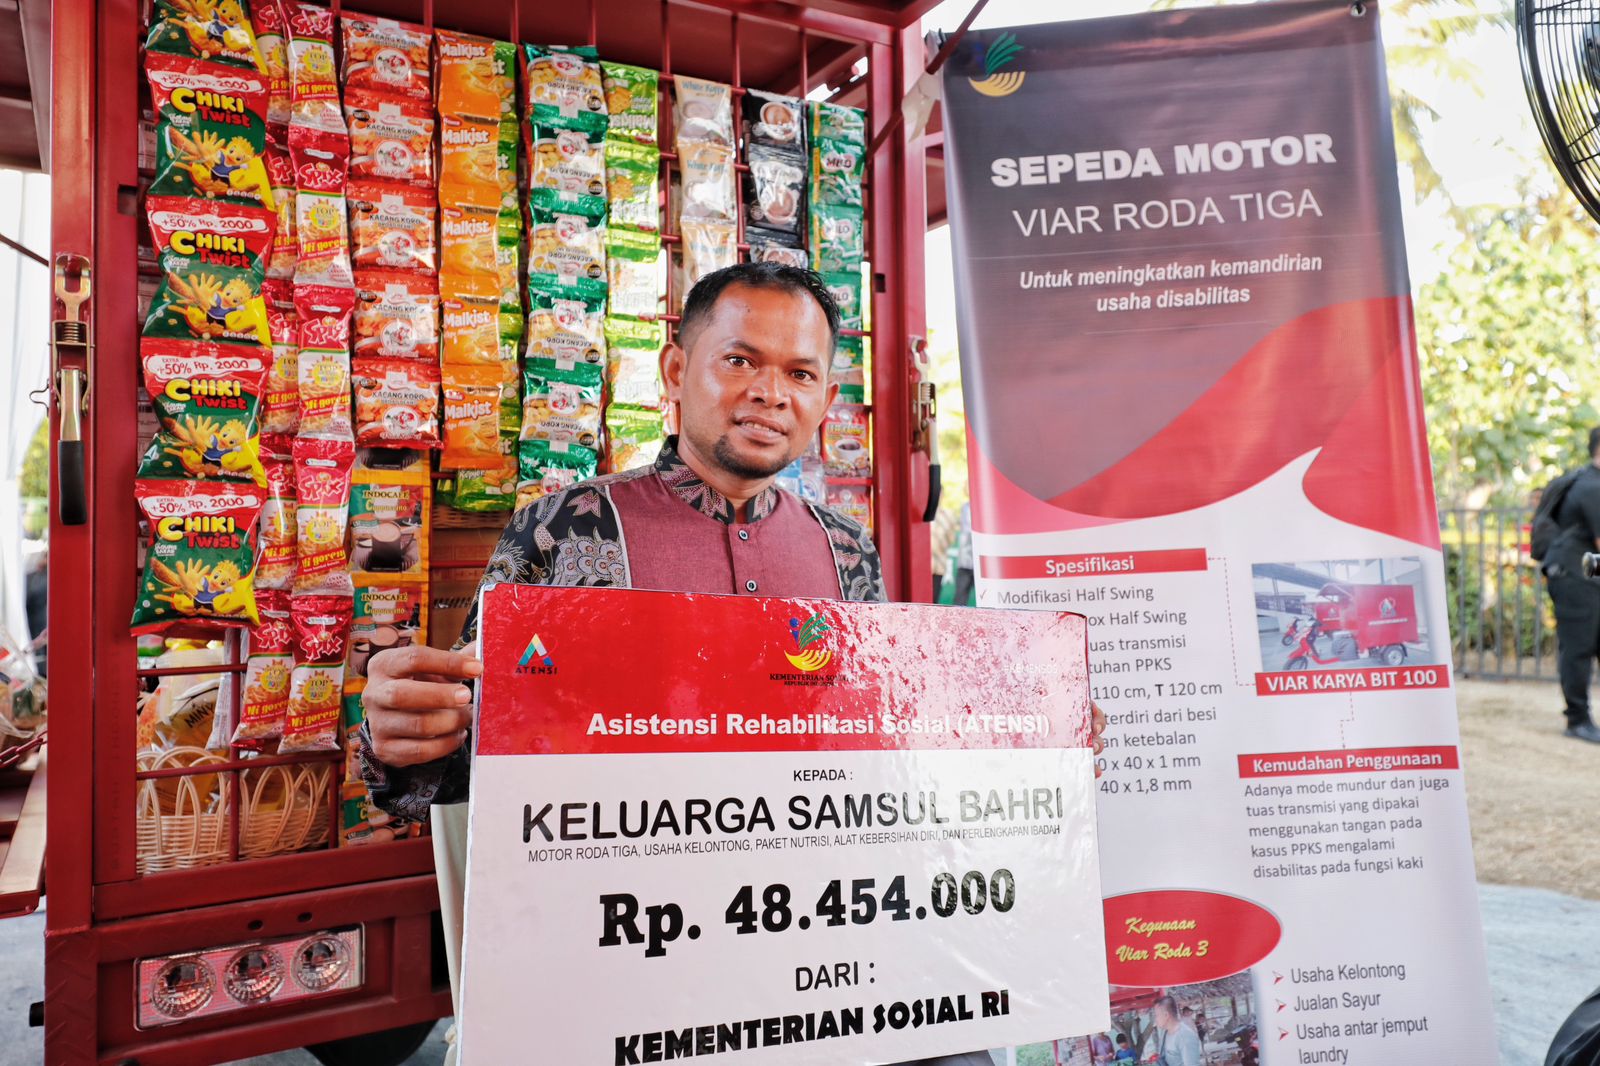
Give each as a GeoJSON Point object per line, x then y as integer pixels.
{"type": "Point", "coordinates": [1501, 624]}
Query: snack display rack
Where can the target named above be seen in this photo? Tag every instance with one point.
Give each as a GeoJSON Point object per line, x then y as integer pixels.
{"type": "Point", "coordinates": [114, 919]}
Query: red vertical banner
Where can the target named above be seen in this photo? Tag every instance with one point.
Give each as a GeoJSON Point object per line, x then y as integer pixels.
{"type": "Point", "coordinates": [1192, 386]}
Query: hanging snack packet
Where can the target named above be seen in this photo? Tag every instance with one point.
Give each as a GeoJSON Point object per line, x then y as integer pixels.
{"type": "Point", "coordinates": [510, 397]}
{"type": "Point", "coordinates": [568, 247]}
{"type": "Point", "coordinates": [633, 183]}
{"type": "Point", "coordinates": [492, 489]}
{"type": "Point", "coordinates": [211, 131]}
{"type": "Point", "coordinates": [285, 241]}
{"type": "Point", "coordinates": [391, 138]}
{"type": "Point", "coordinates": [265, 699]}
{"type": "Point", "coordinates": [469, 234]}
{"type": "Point", "coordinates": [313, 77]}
{"type": "Point", "coordinates": [511, 330]}
{"type": "Point", "coordinates": [707, 246]}
{"type": "Point", "coordinates": [845, 288]}
{"type": "Point", "coordinates": [471, 417]}
{"type": "Point", "coordinates": [272, 40]}
{"type": "Point", "coordinates": [772, 248]}
{"type": "Point", "coordinates": [777, 121]}
{"type": "Point", "coordinates": [322, 239]}
{"type": "Point", "coordinates": [846, 441]}
{"type": "Point", "coordinates": [324, 360]}
{"type": "Point", "coordinates": [392, 227]}
{"type": "Point", "coordinates": [207, 400]}
{"type": "Point", "coordinates": [703, 112]}
{"type": "Point", "coordinates": [469, 151]}
{"type": "Point", "coordinates": [470, 310]}
{"type": "Point", "coordinates": [476, 76]}
{"type": "Point", "coordinates": [386, 616]}
{"type": "Point", "coordinates": [564, 87]}
{"type": "Point", "coordinates": [775, 190]}
{"type": "Point", "coordinates": [564, 324]}
{"type": "Point", "coordinates": [200, 561]}
{"type": "Point", "coordinates": [852, 501]}
{"type": "Point", "coordinates": [837, 122]}
{"type": "Point", "coordinates": [633, 362]}
{"type": "Point", "coordinates": [561, 402]}
{"type": "Point", "coordinates": [276, 566]}
{"type": "Point", "coordinates": [508, 260]}
{"type": "Point", "coordinates": [569, 161]}
{"type": "Point", "coordinates": [633, 438]}
{"type": "Point", "coordinates": [213, 260]}
{"type": "Point", "coordinates": [389, 525]}
{"type": "Point", "coordinates": [396, 403]}
{"type": "Point", "coordinates": [837, 168]}
{"type": "Point", "coordinates": [849, 366]}
{"type": "Point", "coordinates": [633, 272]}
{"type": "Point", "coordinates": [386, 56]}
{"type": "Point", "coordinates": [215, 30]}
{"type": "Point", "coordinates": [322, 487]}
{"type": "Point", "coordinates": [838, 240]}
{"type": "Point", "coordinates": [397, 316]}
{"type": "Point", "coordinates": [316, 686]}
{"type": "Point", "coordinates": [708, 172]}
{"type": "Point", "coordinates": [632, 99]}
{"type": "Point", "coordinates": [545, 467]}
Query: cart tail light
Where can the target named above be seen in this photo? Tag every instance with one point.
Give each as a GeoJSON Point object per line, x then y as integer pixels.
{"type": "Point", "coordinates": [199, 984]}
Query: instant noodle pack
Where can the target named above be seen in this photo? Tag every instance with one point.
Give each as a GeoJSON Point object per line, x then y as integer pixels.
{"type": "Point", "coordinates": [389, 260]}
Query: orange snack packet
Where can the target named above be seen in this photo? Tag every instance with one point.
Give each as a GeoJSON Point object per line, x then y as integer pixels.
{"type": "Point", "coordinates": [397, 316]}
{"type": "Point", "coordinates": [386, 55]}
{"type": "Point", "coordinates": [397, 403]}
{"type": "Point", "coordinates": [391, 227]}
{"type": "Point", "coordinates": [469, 236]}
{"type": "Point", "coordinates": [470, 330]}
{"type": "Point", "coordinates": [469, 151]}
{"type": "Point", "coordinates": [471, 417]}
{"type": "Point", "coordinates": [475, 75]}
{"type": "Point", "coordinates": [391, 138]}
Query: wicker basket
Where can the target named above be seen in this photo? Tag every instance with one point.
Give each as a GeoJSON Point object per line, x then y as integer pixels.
{"type": "Point", "coordinates": [182, 822]}
{"type": "Point", "coordinates": [449, 518]}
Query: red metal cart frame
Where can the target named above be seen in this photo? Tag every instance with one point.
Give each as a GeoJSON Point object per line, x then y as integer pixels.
{"type": "Point", "coordinates": [102, 916]}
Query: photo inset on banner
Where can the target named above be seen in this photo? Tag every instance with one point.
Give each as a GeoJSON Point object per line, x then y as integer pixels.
{"type": "Point", "coordinates": [1342, 614]}
{"type": "Point", "coordinates": [1212, 1023]}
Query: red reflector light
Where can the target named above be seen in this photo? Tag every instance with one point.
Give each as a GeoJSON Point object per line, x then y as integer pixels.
{"type": "Point", "coordinates": [199, 984]}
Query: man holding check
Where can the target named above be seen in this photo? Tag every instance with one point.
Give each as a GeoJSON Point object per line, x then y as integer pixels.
{"type": "Point", "coordinates": [750, 383]}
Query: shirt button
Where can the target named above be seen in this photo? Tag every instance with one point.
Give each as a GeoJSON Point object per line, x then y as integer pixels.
{"type": "Point", "coordinates": [744, 534]}
{"type": "Point", "coordinates": [749, 586]}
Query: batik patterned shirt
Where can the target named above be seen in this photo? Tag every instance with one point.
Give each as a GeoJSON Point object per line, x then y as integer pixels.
{"type": "Point", "coordinates": [659, 527]}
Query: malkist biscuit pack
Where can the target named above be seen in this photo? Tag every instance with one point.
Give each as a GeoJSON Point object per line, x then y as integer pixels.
{"type": "Point", "coordinates": [207, 399]}
{"type": "Point", "coordinates": [472, 417]}
{"type": "Point", "coordinates": [212, 258]}
{"type": "Point", "coordinates": [211, 131]}
{"type": "Point", "coordinates": [475, 76]}
{"type": "Point", "coordinates": [200, 559]}
{"type": "Point", "coordinates": [470, 320]}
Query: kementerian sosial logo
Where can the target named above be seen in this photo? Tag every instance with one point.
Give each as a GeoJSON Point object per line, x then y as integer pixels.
{"type": "Point", "coordinates": [536, 658]}
{"type": "Point", "coordinates": [807, 635]}
{"type": "Point", "coordinates": [997, 80]}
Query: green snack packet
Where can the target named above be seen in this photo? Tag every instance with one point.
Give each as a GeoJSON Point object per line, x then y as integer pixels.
{"type": "Point", "coordinates": [564, 323]}
{"type": "Point", "coordinates": [632, 98]}
{"type": "Point", "coordinates": [213, 260]}
{"type": "Point", "coordinates": [508, 147]}
{"type": "Point", "coordinates": [569, 248]}
{"type": "Point", "coordinates": [218, 31]}
{"type": "Point", "coordinates": [838, 238]}
{"type": "Point", "coordinates": [484, 491]}
{"type": "Point", "coordinates": [561, 401]}
{"type": "Point", "coordinates": [592, 208]}
{"type": "Point", "coordinates": [633, 182]}
{"type": "Point", "coordinates": [211, 132]}
{"type": "Point", "coordinates": [546, 467]}
{"type": "Point", "coordinates": [837, 122]}
{"type": "Point", "coordinates": [201, 556]}
{"type": "Point", "coordinates": [837, 167]}
{"type": "Point", "coordinates": [845, 288]}
{"type": "Point", "coordinates": [633, 437]}
{"type": "Point", "coordinates": [508, 260]}
{"type": "Point", "coordinates": [565, 90]}
{"type": "Point", "coordinates": [849, 354]}
{"type": "Point", "coordinates": [633, 270]}
{"type": "Point", "coordinates": [633, 362]}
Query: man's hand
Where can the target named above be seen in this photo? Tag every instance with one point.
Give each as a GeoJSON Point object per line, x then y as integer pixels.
{"type": "Point", "coordinates": [1097, 728]}
{"type": "Point", "coordinates": [417, 708]}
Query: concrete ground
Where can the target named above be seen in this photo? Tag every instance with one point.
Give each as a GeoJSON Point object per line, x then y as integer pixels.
{"type": "Point", "coordinates": [1533, 795]}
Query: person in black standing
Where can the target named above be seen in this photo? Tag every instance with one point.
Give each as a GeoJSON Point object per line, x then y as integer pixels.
{"type": "Point", "coordinates": [1576, 598]}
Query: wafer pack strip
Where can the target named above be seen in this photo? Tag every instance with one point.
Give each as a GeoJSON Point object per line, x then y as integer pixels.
{"type": "Point", "coordinates": [200, 561]}
{"type": "Point", "coordinates": [207, 400]}
{"type": "Point", "coordinates": [211, 131]}
{"type": "Point", "coordinates": [213, 262]}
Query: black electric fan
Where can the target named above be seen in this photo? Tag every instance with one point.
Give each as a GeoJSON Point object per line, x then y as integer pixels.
{"type": "Point", "coordinates": [1559, 41]}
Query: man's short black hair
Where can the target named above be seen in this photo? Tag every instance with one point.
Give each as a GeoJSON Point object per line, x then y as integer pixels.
{"type": "Point", "coordinates": [703, 297]}
{"type": "Point", "coordinates": [1594, 441]}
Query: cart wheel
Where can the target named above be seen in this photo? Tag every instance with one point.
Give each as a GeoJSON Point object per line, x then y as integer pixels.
{"type": "Point", "coordinates": [1394, 654]}
{"type": "Point", "coordinates": [1297, 663]}
{"type": "Point", "coordinates": [1288, 639]}
{"type": "Point", "coordinates": [387, 1047]}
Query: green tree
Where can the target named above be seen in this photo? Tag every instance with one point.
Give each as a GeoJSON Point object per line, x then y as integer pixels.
{"type": "Point", "coordinates": [1507, 336]}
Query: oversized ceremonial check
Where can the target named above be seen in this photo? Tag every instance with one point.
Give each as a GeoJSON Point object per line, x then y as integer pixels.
{"type": "Point", "coordinates": [785, 831]}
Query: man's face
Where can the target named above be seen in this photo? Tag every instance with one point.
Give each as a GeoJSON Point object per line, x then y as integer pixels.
{"type": "Point", "coordinates": [753, 386]}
